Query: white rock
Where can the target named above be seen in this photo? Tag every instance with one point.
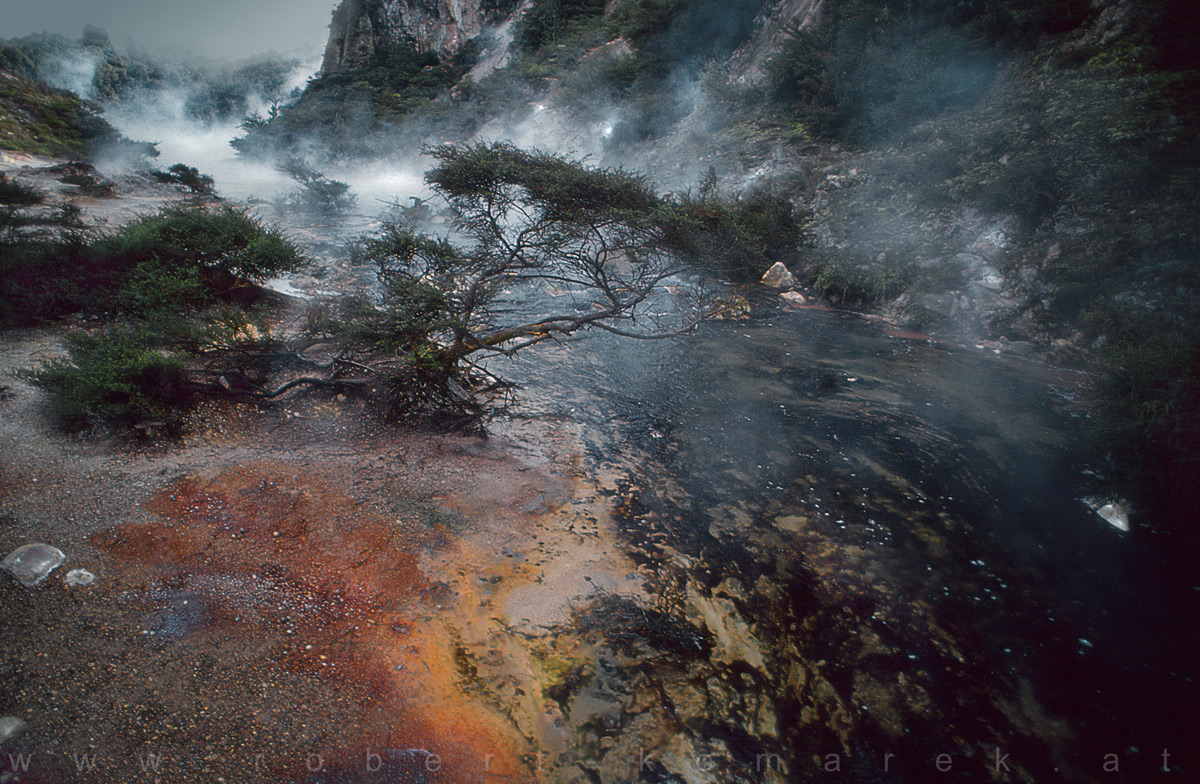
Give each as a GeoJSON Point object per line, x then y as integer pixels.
{"type": "Point", "coordinates": [78, 578]}
{"type": "Point", "coordinates": [30, 564]}
{"type": "Point", "coordinates": [778, 277]}
{"type": "Point", "coordinates": [10, 726]}
{"type": "Point", "coordinates": [1116, 515]}
{"type": "Point", "coordinates": [793, 298]}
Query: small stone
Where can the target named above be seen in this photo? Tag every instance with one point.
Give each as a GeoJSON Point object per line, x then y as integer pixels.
{"type": "Point", "coordinates": [1115, 514]}
{"type": "Point", "coordinates": [1018, 348]}
{"type": "Point", "coordinates": [794, 298]}
{"type": "Point", "coordinates": [794, 523]}
{"type": "Point", "coordinates": [78, 578]}
{"type": "Point", "coordinates": [778, 277]}
{"type": "Point", "coordinates": [30, 564]}
{"type": "Point", "coordinates": [944, 305]}
{"type": "Point", "coordinates": [10, 726]}
{"type": "Point", "coordinates": [733, 306]}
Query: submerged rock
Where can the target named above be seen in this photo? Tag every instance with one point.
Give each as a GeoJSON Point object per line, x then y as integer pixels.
{"type": "Point", "coordinates": [793, 523]}
{"type": "Point", "coordinates": [734, 639]}
{"type": "Point", "coordinates": [733, 306]}
{"type": "Point", "coordinates": [10, 727]}
{"type": "Point", "coordinates": [1115, 514]}
{"type": "Point", "coordinates": [30, 564]}
{"type": "Point", "coordinates": [779, 277]}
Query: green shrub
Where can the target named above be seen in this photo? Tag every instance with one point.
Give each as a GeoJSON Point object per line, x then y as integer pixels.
{"type": "Point", "coordinates": [187, 176]}
{"type": "Point", "coordinates": [153, 288]}
{"type": "Point", "coordinates": [167, 262]}
{"type": "Point", "coordinates": [15, 198]}
{"type": "Point", "coordinates": [317, 193]}
{"type": "Point", "coordinates": [15, 195]}
{"type": "Point", "coordinates": [226, 240]}
{"type": "Point", "coordinates": [800, 82]}
{"type": "Point", "coordinates": [547, 20]}
{"type": "Point", "coordinates": [113, 378]}
{"type": "Point", "coordinates": [50, 278]}
{"type": "Point", "coordinates": [640, 20]}
{"type": "Point", "coordinates": [739, 237]}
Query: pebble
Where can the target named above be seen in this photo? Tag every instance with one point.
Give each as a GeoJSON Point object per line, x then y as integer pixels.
{"type": "Point", "coordinates": [77, 578]}
{"type": "Point", "coordinates": [10, 726]}
{"type": "Point", "coordinates": [30, 564]}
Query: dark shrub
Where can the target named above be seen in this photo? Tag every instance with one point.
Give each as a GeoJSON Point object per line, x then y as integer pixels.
{"type": "Point", "coordinates": [113, 378]}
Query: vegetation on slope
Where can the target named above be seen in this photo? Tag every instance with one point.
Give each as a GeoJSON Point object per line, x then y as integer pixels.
{"type": "Point", "coordinates": [38, 119]}
{"type": "Point", "coordinates": [90, 67]}
{"type": "Point", "coordinates": [347, 107]}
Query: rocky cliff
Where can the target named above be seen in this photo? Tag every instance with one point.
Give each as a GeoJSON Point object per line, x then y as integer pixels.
{"type": "Point", "coordinates": [360, 27]}
{"type": "Point", "coordinates": [748, 63]}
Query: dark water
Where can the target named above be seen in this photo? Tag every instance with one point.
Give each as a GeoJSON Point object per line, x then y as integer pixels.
{"type": "Point", "coordinates": [921, 494]}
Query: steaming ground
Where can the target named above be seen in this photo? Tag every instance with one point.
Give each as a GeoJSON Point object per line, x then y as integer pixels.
{"type": "Point", "coordinates": [161, 117]}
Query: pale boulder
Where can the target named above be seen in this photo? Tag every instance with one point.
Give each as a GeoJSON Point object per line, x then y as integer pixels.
{"type": "Point", "coordinates": [779, 277]}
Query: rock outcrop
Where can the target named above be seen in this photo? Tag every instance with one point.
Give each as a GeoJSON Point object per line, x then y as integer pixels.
{"type": "Point", "coordinates": [360, 27]}
{"type": "Point", "coordinates": [748, 64]}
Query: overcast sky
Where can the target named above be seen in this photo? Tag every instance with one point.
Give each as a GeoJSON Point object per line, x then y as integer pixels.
{"type": "Point", "coordinates": [211, 28]}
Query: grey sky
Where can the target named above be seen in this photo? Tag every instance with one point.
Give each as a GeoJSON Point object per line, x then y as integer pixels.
{"type": "Point", "coordinates": [212, 28]}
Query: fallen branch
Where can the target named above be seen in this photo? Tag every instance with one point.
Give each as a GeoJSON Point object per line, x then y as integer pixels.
{"type": "Point", "coordinates": [310, 381]}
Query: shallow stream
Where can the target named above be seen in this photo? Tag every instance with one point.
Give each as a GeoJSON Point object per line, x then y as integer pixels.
{"type": "Point", "coordinates": [898, 523]}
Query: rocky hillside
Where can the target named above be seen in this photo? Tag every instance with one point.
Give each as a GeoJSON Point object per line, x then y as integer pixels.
{"type": "Point", "coordinates": [361, 28]}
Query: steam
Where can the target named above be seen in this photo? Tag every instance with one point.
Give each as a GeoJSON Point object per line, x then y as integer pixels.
{"type": "Point", "coordinates": [164, 117]}
{"type": "Point", "coordinates": [73, 70]}
{"type": "Point", "coordinates": [585, 117]}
